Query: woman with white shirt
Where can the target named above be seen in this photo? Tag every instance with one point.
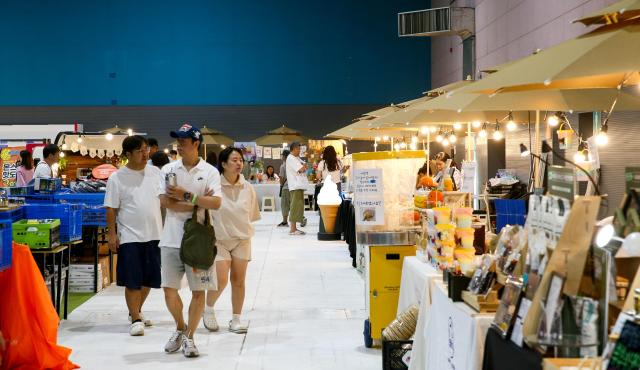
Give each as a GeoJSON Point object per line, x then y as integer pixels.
{"type": "Point", "coordinates": [330, 165]}
{"type": "Point", "coordinates": [232, 223]}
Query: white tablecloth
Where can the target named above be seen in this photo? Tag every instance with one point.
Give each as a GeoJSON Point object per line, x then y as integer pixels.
{"type": "Point", "coordinates": [273, 190]}
{"type": "Point", "coordinates": [453, 337]}
{"type": "Point", "coordinates": [268, 190]}
{"type": "Point", "coordinates": [415, 277]}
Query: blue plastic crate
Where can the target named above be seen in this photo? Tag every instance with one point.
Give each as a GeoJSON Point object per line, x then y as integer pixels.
{"type": "Point", "coordinates": [94, 216]}
{"type": "Point", "coordinates": [12, 216]}
{"type": "Point", "coordinates": [18, 191]}
{"type": "Point", "coordinates": [70, 216]}
{"type": "Point", "coordinates": [6, 248]}
{"type": "Point", "coordinates": [38, 198]}
{"type": "Point", "coordinates": [510, 212]}
{"type": "Point", "coordinates": [94, 199]}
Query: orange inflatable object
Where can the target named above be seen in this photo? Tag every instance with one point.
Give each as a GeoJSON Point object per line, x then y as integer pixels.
{"type": "Point", "coordinates": [436, 196]}
{"type": "Point", "coordinates": [427, 182]}
{"type": "Point", "coordinates": [28, 320]}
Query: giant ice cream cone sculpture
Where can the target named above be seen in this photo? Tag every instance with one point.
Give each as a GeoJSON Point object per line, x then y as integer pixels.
{"type": "Point", "coordinates": [329, 201]}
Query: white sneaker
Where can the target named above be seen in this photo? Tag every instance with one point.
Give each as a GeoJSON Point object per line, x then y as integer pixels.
{"type": "Point", "coordinates": [209, 319]}
{"type": "Point", "coordinates": [175, 342]}
{"type": "Point", "coordinates": [235, 326]}
{"type": "Point", "coordinates": [145, 321]}
{"type": "Point", "coordinates": [136, 329]}
{"type": "Point", "coordinates": [189, 348]}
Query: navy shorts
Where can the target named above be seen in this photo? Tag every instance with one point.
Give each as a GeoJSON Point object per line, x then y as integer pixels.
{"type": "Point", "coordinates": [139, 265]}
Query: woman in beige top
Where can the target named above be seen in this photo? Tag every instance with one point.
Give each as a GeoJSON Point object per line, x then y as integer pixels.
{"type": "Point", "coordinates": [232, 223]}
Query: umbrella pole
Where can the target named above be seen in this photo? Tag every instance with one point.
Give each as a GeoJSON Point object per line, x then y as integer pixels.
{"type": "Point", "coordinates": [428, 151]}
{"type": "Point", "coordinates": [536, 150]}
{"type": "Point", "coordinates": [469, 146]}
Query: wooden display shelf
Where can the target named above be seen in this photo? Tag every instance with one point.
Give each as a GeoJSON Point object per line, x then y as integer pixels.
{"type": "Point", "coordinates": [481, 303]}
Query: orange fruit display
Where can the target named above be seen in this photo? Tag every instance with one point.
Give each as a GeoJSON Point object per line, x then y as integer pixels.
{"type": "Point", "coordinates": [427, 182]}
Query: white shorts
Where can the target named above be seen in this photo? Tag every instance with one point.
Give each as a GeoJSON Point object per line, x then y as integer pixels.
{"type": "Point", "coordinates": [236, 248]}
{"type": "Point", "coordinates": [173, 269]}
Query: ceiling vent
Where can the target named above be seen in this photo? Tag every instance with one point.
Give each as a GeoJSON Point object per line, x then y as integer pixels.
{"type": "Point", "coordinates": [437, 22]}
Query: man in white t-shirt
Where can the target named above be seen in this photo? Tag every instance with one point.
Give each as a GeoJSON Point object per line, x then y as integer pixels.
{"type": "Point", "coordinates": [51, 155]}
{"type": "Point", "coordinates": [298, 183]}
{"type": "Point", "coordinates": [198, 183]}
{"type": "Point", "coordinates": [132, 200]}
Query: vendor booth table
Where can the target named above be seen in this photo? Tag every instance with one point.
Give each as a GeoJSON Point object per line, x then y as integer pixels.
{"type": "Point", "coordinates": [449, 335]}
{"type": "Point", "coordinates": [273, 190]}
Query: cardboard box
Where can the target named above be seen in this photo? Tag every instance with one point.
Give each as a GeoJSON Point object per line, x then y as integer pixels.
{"type": "Point", "coordinates": [106, 271]}
{"type": "Point", "coordinates": [571, 363]}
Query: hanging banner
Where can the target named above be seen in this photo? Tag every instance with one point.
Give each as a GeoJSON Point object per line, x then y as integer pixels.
{"type": "Point", "coordinates": [268, 152]}
{"type": "Point", "coordinates": [276, 153]}
{"type": "Point", "coordinates": [259, 152]}
{"type": "Point", "coordinates": [8, 158]}
{"type": "Point", "coordinates": [468, 177]}
{"type": "Point", "coordinates": [249, 150]}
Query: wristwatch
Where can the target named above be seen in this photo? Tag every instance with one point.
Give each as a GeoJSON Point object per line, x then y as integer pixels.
{"type": "Point", "coordinates": [187, 196]}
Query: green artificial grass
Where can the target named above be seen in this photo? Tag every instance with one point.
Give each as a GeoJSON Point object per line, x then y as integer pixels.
{"type": "Point", "coordinates": [75, 300]}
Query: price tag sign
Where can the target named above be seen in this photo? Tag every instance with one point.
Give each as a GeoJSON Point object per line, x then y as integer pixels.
{"type": "Point", "coordinates": [562, 182]}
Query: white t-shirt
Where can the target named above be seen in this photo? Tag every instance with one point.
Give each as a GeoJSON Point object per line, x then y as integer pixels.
{"type": "Point", "coordinates": [297, 181]}
{"type": "Point", "coordinates": [43, 171]}
{"type": "Point", "coordinates": [239, 209]}
{"type": "Point", "coordinates": [335, 175]}
{"type": "Point", "coordinates": [135, 195]}
{"type": "Point", "coordinates": [198, 180]}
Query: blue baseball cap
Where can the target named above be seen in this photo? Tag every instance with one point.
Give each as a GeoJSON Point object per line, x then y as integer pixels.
{"type": "Point", "coordinates": [187, 131]}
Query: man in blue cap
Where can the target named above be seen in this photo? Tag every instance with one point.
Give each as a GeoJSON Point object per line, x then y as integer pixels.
{"type": "Point", "coordinates": [198, 184]}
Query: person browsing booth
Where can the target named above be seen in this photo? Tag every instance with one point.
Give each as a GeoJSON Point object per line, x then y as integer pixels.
{"type": "Point", "coordinates": [197, 184]}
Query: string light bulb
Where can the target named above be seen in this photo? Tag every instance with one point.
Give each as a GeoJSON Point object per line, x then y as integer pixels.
{"type": "Point", "coordinates": [413, 146]}
{"type": "Point", "coordinates": [553, 120]}
{"type": "Point", "coordinates": [497, 134]}
{"type": "Point", "coordinates": [79, 139]}
{"type": "Point", "coordinates": [385, 138]}
{"type": "Point", "coordinates": [433, 129]}
{"type": "Point", "coordinates": [403, 145]}
{"type": "Point", "coordinates": [511, 124]}
{"type": "Point", "coordinates": [602, 138]}
{"type": "Point", "coordinates": [439, 138]}
{"type": "Point", "coordinates": [483, 132]}
{"type": "Point", "coordinates": [424, 130]}
{"type": "Point", "coordinates": [453, 138]}
{"type": "Point", "coordinates": [109, 136]}
{"type": "Point", "coordinates": [476, 124]}
{"type": "Point", "coordinates": [61, 154]}
{"type": "Point", "coordinates": [445, 142]}
{"type": "Point", "coordinates": [166, 151]}
{"type": "Point", "coordinates": [457, 126]}
{"type": "Point", "coordinates": [130, 132]}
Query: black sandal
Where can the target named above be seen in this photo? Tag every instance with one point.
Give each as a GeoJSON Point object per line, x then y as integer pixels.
{"type": "Point", "coordinates": [283, 224]}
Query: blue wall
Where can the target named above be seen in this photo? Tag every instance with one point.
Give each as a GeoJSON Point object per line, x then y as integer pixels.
{"type": "Point", "coordinates": [205, 52]}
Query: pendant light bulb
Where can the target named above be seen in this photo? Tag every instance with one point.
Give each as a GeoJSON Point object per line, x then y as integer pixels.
{"type": "Point", "coordinates": [424, 130]}
{"type": "Point", "coordinates": [109, 136]}
{"type": "Point", "coordinates": [457, 126]}
{"type": "Point", "coordinates": [476, 124]}
{"type": "Point", "coordinates": [445, 142]}
{"type": "Point", "coordinates": [553, 120]}
{"type": "Point", "coordinates": [439, 138]}
{"type": "Point", "coordinates": [602, 138]}
{"type": "Point", "coordinates": [453, 138]}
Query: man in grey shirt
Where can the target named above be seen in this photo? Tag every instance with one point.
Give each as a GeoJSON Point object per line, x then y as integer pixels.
{"type": "Point", "coordinates": [285, 199]}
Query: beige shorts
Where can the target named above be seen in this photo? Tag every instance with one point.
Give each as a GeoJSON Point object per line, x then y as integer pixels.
{"type": "Point", "coordinates": [173, 269]}
{"type": "Point", "coordinates": [236, 248]}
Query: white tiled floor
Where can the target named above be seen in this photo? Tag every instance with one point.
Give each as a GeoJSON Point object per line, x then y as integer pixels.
{"type": "Point", "coordinates": [304, 302]}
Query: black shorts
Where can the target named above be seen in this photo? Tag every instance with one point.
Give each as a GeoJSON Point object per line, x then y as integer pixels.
{"type": "Point", "coordinates": [139, 265]}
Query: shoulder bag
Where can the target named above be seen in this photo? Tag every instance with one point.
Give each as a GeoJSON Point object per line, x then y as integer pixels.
{"type": "Point", "coordinates": [198, 246]}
